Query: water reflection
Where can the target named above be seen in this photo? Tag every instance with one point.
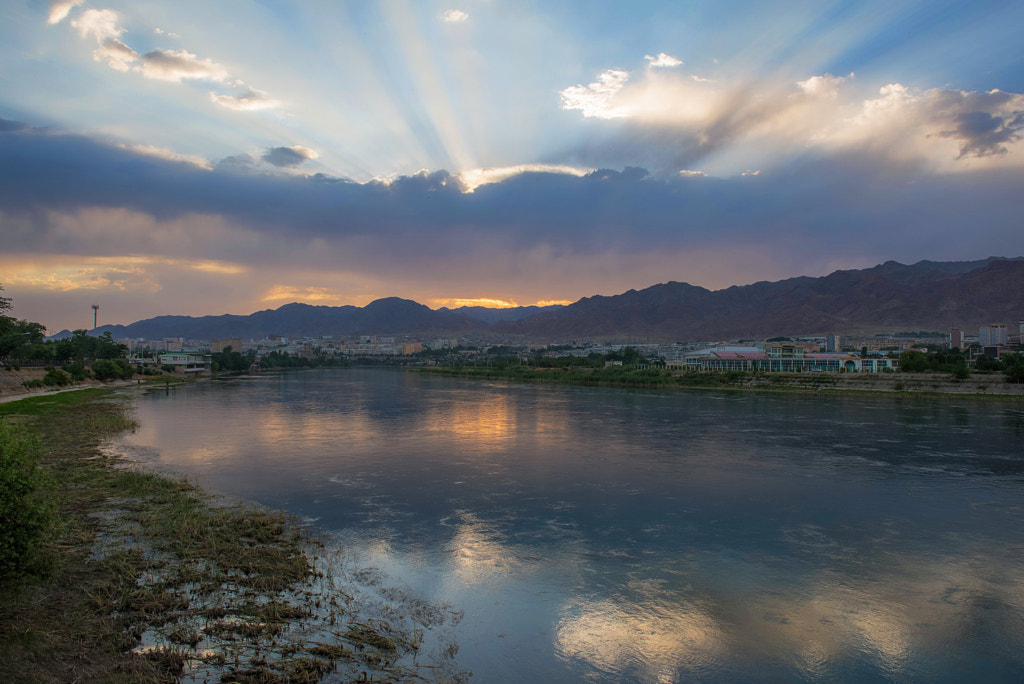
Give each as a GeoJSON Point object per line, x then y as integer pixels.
{"type": "Point", "coordinates": [647, 638]}
{"type": "Point", "coordinates": [485, 425]}
{"type": "Point", "coordinates": [614, 535]}
{"type": "Point", "coordinates": [479, 551]}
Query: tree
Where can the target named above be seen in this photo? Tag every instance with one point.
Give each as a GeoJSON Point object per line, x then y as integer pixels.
{"type": "Point", "coordinates": [1013, 367]}
{"type": "Point", "coordinates": [112, 369]}
{"type": "Point", "coordinates": [231, 360]}
{"type": "Point", "coordinates": [913, 361]}
{"type": "Point", "coordinates": [987, 363]}
{"type": "Point", "coordinates": [16, 337]}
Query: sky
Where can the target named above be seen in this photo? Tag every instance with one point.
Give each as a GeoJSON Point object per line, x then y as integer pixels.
{"type": "Point", "coordinates": [201, 158]}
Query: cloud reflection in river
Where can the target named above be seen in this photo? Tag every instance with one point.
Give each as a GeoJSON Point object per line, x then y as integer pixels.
{"type": "Point", "coordinates": [898, 622]}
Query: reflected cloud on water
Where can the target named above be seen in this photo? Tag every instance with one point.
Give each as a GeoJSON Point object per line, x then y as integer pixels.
{"type": "Point", "coordinates": [910, 621]}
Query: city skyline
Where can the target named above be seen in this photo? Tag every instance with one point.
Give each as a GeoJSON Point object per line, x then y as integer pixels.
{"type": "Point", "coordinates": [199, 160]}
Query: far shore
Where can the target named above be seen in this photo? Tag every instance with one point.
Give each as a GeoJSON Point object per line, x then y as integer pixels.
{"type": "Point", "coordinates": [896, 384]}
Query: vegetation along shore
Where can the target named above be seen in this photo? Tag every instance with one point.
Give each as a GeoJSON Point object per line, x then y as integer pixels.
{"type": "Point", "coordinates": [981, 384]}
{"type": "Point", "coordinates": [109, 573]}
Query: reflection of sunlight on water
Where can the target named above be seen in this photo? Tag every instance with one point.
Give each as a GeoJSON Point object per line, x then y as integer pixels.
{"type": "Point", "coordinates": [914, 609]}
{"type": "Point", "coordinates": [640, 638]}
{"type": "Point", "coordinates": [486, 424]}
{"type": "Point", "coordinates": [478, 552]}
{"type": "Point", "coordinates": [831, 623]}
{"type": "Point", "coordinates": [903, 620]}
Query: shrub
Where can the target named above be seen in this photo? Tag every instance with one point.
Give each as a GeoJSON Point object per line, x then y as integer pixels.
{"type": "Point", "coordinates": [26, 511]}
{"type": "Point", "coordinates": [167, 368]}
{"type": "Point", "coordinates": [77, 371]}
{"type": "Point", "coordinates": [112, 369]}
{"type": "Point", "coordinates": [56, 377]}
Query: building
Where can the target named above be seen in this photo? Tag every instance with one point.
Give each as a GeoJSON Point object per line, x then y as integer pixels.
{"type": "Point", "coordinates": [992, 335]}
{"type": "Point", "coordinates": [218, 346]}
{"type": "Point", "coordinates": [833, 343]}
{"type": "Point", "coordinates": [187, 362]}
{"type": "Point", "coordinates": [787, 358]}
{"type": "Point", "coordinates": [956, 339]}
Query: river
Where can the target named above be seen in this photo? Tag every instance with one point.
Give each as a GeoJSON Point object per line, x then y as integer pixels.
{"type": "Point", "coordinates": [595, 534]}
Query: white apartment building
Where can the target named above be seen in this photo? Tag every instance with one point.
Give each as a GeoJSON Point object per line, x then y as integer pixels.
{"type": "Point", "coordinates": [992, 335]}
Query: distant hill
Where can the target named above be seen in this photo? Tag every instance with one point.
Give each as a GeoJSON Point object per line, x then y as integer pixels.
{"type": "Point", "coordinates": [925, 295]}
{"type": "Point", "coordinates": [491, 316]}
{"type": "Point", "coordinates": [389, 316]}
{"type": "Point", "coordinates": [891, 296]}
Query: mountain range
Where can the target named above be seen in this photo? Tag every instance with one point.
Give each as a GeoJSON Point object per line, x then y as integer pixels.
{"type": "Point", "coordinates": [891, 296]}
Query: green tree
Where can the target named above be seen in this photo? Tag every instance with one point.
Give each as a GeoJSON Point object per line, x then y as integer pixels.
{"type": "Point", "coordinates": [17, 337]}
{"type": "Point", "coordinates": [988, 363]}
{"type": "Point", "coordinates": [1013, 367]}
{"type": "Point", "coordinates": [112, 369]}
{"type": "Point", "coordinates": [231, 360]}
{"type": "Point", "coordinates": [913, 361]}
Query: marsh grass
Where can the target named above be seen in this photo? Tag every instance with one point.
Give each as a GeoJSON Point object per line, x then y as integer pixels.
{"type": "Point", "coordinates": [149, 579]}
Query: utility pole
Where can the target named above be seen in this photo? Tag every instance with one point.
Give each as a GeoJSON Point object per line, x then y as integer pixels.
{"type": "Point", "coordinates": [95, 308]}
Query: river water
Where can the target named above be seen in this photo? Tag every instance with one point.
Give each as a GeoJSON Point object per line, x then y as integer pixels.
{"type": "Point", "coordinates": [597, 534]}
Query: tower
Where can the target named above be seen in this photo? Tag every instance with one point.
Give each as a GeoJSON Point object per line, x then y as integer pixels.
{"type": "Point", "coordinates": [95, 309]}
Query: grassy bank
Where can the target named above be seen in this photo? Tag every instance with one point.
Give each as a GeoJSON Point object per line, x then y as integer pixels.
{"type": "Point", "coordinates": [978, 385]}
{"type": "Point", "coordinates": [146, 578]}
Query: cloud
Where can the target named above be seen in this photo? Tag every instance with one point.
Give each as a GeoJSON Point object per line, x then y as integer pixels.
{"type": "Point", "coordinates": [164, 153]}
{"type": "Point", "coordinates": [240, 163]}
{"type": "Point", "coordinates": [823, 86]}
{"type": "Point", "coordinates": [249, 101]}
{"type": "Point", "coordinates": [288, 293]}
{"type": "Point", "coordinates": [59, 10]}
{"type": "Point", "coordinates": [454, 303]}
{"type": "Point", "coordinates": [598, 98]}
{"type": "Point", "coordinates": [9, 126]}
{"type": "Point", "coordinates": [528, 236]}
{"type": "Point", "coordinates": [983, 134]}
{"type": "Point", "coordinates": [288, 157]}
{"type": "Point", "coordinates": [474, 178]}
{"type": "Point", "coordinates": [670, 121]}
{"type": "Point", "coordinates": [663, 60]}
{"type": "Point", "coordinates": [176, 65]}
{"type": "Point", "coordinates": [173, 66]}
{"type": "Point", "coordinates": [455, 16]}
{"type": "Point", "coordinates": [107, 272]}
{"type": "Point", "coordinates": [99, 24]}
{"type": "Point", "coordinates": [116, 54]}
{"type": "Point", "coordinates": [79, 277]}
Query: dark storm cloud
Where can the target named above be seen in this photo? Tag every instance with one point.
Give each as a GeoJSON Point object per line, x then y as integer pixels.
{"type": "Point", "coordinates": [820, 206]}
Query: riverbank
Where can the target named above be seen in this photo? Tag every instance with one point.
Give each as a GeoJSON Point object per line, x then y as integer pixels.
{"type": "Point", "coordinates": [977, 385]}
{"type": "Point", "coordinates": [147, 578]}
